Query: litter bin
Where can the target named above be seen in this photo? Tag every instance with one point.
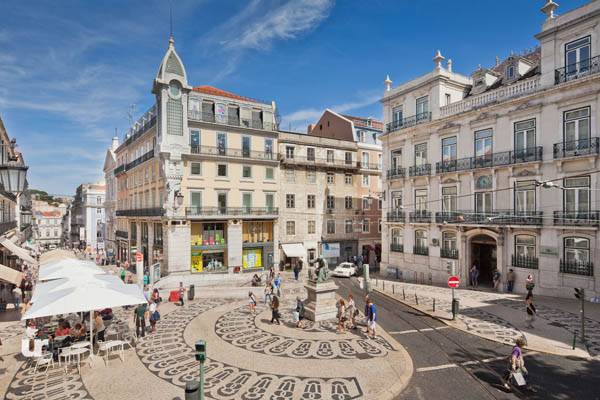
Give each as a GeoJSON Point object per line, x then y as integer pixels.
{"type": "Point", "coordinates": [191, 292]}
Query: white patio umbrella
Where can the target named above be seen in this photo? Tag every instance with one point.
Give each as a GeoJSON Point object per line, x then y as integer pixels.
{"type": "Point", "coordinates": [43, 288]}
{"type": "Point", "coordinates": [68, 268]}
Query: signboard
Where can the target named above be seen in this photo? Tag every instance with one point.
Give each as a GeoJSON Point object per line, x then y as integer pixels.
{"type": "Point", "coordinates": [101, 246]}
{"type": "Point", "coordinates": [154, 273]}
{"type": "Point", "coordinates": [252, 258]}
{"type": "Point", "coordinates": [330, 250]}
{"type": "Point", "coordinates": [548, 251]}
{"type": "Point", "coordinates": [139, 269]}
{"type": "Point", "coordinates": [196, 265]}
{"type": "Point", "coordinates": [81, 233]}
{"type": "Point", "coordinates": [139, 257]}
{"type": "Point", "coordinates": [453, 282]}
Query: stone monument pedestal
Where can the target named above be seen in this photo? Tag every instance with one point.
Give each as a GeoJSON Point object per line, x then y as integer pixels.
{"type": "Point", "coordinates": [321, 301]}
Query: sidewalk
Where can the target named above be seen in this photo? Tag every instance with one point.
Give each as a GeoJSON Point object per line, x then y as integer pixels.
{"type": "Point", "coordinates": [501, 316]}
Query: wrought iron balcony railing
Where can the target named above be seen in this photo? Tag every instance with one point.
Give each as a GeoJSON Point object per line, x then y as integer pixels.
{"type": "Point", "coordinates": [237, 153]}
{"type": "Point", "coordinates": [524, 262]}
{"type": "Point", "coordinates": [147, 121]}
{"type": "Point", "coordinates": [491, 160]}
{"type": "Point", "coordinates": [140, 160]}
{"type": "Point", "coordinates": [448, 253]}
{"type": "Point", "coordinates": [372, 166]}
{"type": "Point", "coordinates": [408, 122]}
{"type": "Point", "coordinates": [396, 216]}
{"type": "Point", "coordinates": [496, 217]}
{"type": "Point", "coordinates": [577, 70]}
{"type": "Point", "coordinates": [397, 248]}
{"type": "Point", "coordinates": [421, 250]}
{"type": "Point", "coordinates": [320, 162]}
{"type": "Point", "coordinates": [121, 234]}
{"type": "Point", "coordinates": [7, 226]}
{"type": "Point", "coordinates": [577, 267]}
{"type": "Point", "coordinates": [396, 173]}
{"type": "Point", "coordinates": [582, 218]}
{"type": "Point", "coordinates": [142, 212]}
{"type": "Point", "coordinates": [420, 170]}
{"type": "Point", "coordinates": [119, 169]}
{"type": "Point", "coordinates": [422, 216]}
{"type": "Point", "coordinates": [575, 148]}
{"type": "Point", "coordinates": [231, 120]}
{"type": "Point", "coordinates": [231, 211]}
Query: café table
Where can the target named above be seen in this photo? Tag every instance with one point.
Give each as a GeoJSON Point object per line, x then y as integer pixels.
{"type": "Point", "coordinates": [78, 352]}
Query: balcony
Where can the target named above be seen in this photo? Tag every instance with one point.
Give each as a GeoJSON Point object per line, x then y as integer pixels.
{"type": "Point", "coordinates": [577, 267]}
{"type": "Point", "coordinates": [449, 253]}
{"type": "Point", "coordinates": [408, 122]}
{"type": "Point", "coordinates": [370, 166]}
{"type": "Point", "coordinates": [231, 121]}
{"type": "Point", "coordinates": [496, 217]}
{"type": "Point", "coordinates": [420, 216]}
{"type": "Point", "coordinates": [578, 70]}
{"type": "Point", "coordinates": [524, 262]}
{"type": "Point", "coordinates": [576, 148]}
{"type": "Point", "coordinates": [397, 248]}
{"type": "Point", "coordinates": [420, 170]}
{"type": "Point", "coordinates": [270, 212]}
{"type": "Point", "coordinates": [319, 162]}
{"type": "Point", "coordinates": [147, 121]}
{"type": "Point", "coordinates": [577, 218]}
{"type": "Point", "coordinates": [235, 153]}
{"type": "Point", "coordinates": [142, 212]}
{"type": "Point", "coordinates": [398, 173]}
{"type": "Point", "coordinates": [7, 226]}
{"type": "Point", "coordinates": [489, 161]}
{"type": "Point", "coordinates": [119, 169]}
{"type": "Point", "coordinates": [421, 250]}
{"type": "Point", "coordinates": [140, 160]}
{"type": "Point", "coordinates": [122, 234]}
{"type": "Point", "coordinates": [395, 216]}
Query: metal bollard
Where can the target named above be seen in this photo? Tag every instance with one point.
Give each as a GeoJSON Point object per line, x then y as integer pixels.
{"type": "Point", "coordinates": [575, 339]}
{"type": "Point", "coordinates": [192, 390]}
{"type": "Point", "coordinates": [383, 286]}
{"type": "Point", "coordinates": [403, 294]}
{"type": "Point", "coordinates": [393, 289]}
{"type": "Point", "coordinates": [433, 305]}
{"type": "Point", "coordinates": [416, 299]}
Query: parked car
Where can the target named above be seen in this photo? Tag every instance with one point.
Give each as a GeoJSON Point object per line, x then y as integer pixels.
{"type": "Point", "coordinates": [345, 269]}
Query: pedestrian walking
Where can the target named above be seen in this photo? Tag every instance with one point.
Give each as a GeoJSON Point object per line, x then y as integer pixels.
{"type": "Point", "coordinates": [275, 310]}
{"type": "Point", "coordinates": [529, 283]}
{"type": "Point", "coordinates": [139, 318]}
{"type": "Point", "coordinates": [299, 313]}
{"type": "Point", "coordinates": [531, 311]}
{"type": "Point", "coordinates": [296, 270]}
{"type": "Point", "coordinates": [154, 314]}
{"type": "Point", "coordinates": [123, 274]}
{"type": "Point", "coordinates": [351, 312]}
{"type": "Point", "coordinates": [278, 280]}
{"type": "Point", "coordinates": [496, 278]}
{"type": "Point", "coordinates": [367, 314]}
{"type": "Point", "coordinates": [341, 316]}
{"type": "Point", "coordinates": [268, 291]}
{"type": "Point", "coordinates": [372, 319]}
{"type": "Point", "coordinates": [181, 293]}
{"type": "Point", "coordinates": [516, 365]}
{"type": "Point", "coordinates": [510, 280]}
{"type": "Point", "coordinates": [474, 276]}
{"type": "Point", "coordinates": [252, 302]}
{"type": "Point", "coordinates": [16, 294]}
{"type": "Point", "coordinates": [271, 274]}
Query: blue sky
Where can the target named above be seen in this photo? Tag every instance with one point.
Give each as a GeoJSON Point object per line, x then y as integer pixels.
{"type": "Point", "coordinates": [71, 69]}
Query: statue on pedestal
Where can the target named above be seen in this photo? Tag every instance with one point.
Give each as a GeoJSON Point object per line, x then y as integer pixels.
{"type": "Point", "coordinates": [321, 273]}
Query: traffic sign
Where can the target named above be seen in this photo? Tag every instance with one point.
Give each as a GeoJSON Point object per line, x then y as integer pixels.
{"type": "Point", "coordinates": [139, 257]}
{"type": "Point", "coordinates": [453, 282]}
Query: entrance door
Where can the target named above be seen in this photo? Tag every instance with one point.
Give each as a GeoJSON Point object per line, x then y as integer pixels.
{"type": "Point", "coordinates": [483, 255]}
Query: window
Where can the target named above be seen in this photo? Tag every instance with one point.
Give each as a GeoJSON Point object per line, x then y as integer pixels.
{"type": "Point", "coordinates": [380, 161]}
{"type": "Point", "coordinates": [577, 196]}
{"type": "Point", "coordinates": [420, 199]}
{"type": "Point", "coordinates": [195, 167]}
{"type": "Point", "coordinates": [269, 173]}
{"type": "Point", "coordinates": [330, 158]}
{"type": "Point", "coordinates": [525, 246]}
{"type": "Point", "coordinates": [448, 99]}
{"type": "Point", "coordinates": [397, 115]}
{"type": "Point", "coordinates": [365, 180]}
{"type": "Point", "coordinates": [397, 200]}
{"type": "Point", "coordinates": [348, 202]}
{"type": "Point", "coordinates": [290, 201]}
{"type": "Point", "coordinates": [380, 203]}
{"type": "Point", "coordinates": [310, 154]}
{"type": "Point", "coordinates": [449, 149]}
{"type": "Point", "coordinates": [510, 72]}
{"type": "Point", "coordinates": [577, 55]}
{"type": "Point", "coordinates": [311, 176]}
{"type": "Point", "coordinates": [525, 138]}
{"type": "Point", "coordinates": [310, 201]}
{"type": "Point", "coordinates": [362, 137]}
{"type": "Point", "coordinates": [577, 129]}
{"type": "Point", "coordinates": [247, 172]}
{"type": "Point", "coordinates": [153, 173]}
{"type": "Point", "coordinates": [290, 227]}
{"type": "Point", "coordinates": [524, 197]}
{"type": "Point", "coordinates": [577, 250]}
{"type": "Point", "coordinates": [289, 152]}
{"type": "Point", "coordinates": [449, 240]}
{"type": "Point", "coordinates": [366, 224]}
{"type": "Point", "coordinates": [483, 143]}
{"type": "Point", "coordinates": [269, 149]}
{"type": "Point", "coordinates": [330, 178]}
{"type": "Point", "coordinates": [421, 239]}
{"type": "Point", "coordinates": [246, 202]}
{"type": "Point", "coordinates": [290, 175]}
{"type": "Point", "coordinates": [379, 225]}
{"type": "Point", "coordinates": [422, 109]}
{"type": "Point", "coordinates": [196, 201]}
{"type": "Point", "coordinates": [348, 226]}
{"type": "Point", "coordinates": [365, 159]}
{"type": "Point", "coordinates": [98, 211]}
{"type": "Point", "coordinates": [330, 202]}
{"type": "Point", "coordinates": [449, 199]}
{"type": "Point", "coordinates": [222, 170]}
{"type": "Point", "coordinates": [397, 238]}
{"type": "Point", "coordinates": [312, 227]}
{"type": "Point", "coordinates": [195, 141]}
{"type": "Point", "coordinates": [269, 202]}
{"type": "Point", "coordinates": [421, 154]}
{"type": "Point", "coordinates": [245, 146]}
{"type": "Point", "coordinates": [331, 226]}
{"type": "Point", "coordinates": [396, 158]}
{"type": "Point", "coordinates": [222, 202]}
{"type": "Point", "coordinates": [483, 202]}
{"type": "Point", "coordinates": [366, 203]}
{"type": "Point", "coordinates": [348, 158]}
{"type": "Point", "coordinates": [99, 200]}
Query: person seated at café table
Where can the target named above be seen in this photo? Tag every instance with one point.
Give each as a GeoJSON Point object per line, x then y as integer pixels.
{"type": "Point", "coordinates": [31, 330]}
{"type": "Point", "coordinates": [63, 330]}
{"type": "Point", "coordinates": [79, 332]}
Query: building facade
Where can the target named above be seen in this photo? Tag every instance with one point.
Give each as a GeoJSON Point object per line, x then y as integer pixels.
{"type": "Point", "coordinates": [88, 218]}
{"type": "Point", "coordinates": [48, 228]}
{"type": "Point", "coordinates": [110, 199]}
{"type": "Point", "coordinates": [499, 169]}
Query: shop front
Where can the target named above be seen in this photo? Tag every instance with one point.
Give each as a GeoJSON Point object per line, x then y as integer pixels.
{"type": "Point", "coordinates": [208, 247]}
{"type": "Point", "coordinates": [257, 246]}
{"type": "Point", "coordinates": [157, 247]}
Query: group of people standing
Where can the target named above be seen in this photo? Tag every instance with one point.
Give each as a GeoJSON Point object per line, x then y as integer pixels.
{"type": "Point", "coordinates": [347, 314]}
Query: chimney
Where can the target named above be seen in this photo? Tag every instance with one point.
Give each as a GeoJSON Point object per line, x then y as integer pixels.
{"type": "Point", "coordinates": [449, 65]}
{"type": "Point", "coordinates": [115, 143]}
{"type": "Point", "coordinates": [310, 128]}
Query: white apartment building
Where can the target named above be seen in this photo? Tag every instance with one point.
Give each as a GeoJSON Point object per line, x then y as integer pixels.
{"type": "Point", "coordinates": [88, 217]}
{"type": "Point", "coordinates": [48, 228]}
{"type": "Point", "coordinates": [110, 200]}
{"type": "Point", "coordinates": [466, 158]}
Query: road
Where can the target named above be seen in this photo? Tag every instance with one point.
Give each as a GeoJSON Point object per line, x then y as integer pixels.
{"type": "Point", "coordinates": [451, 364]}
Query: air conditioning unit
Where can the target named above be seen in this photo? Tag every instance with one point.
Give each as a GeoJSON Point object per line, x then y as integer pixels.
{"type": "Point", "coordinates": [435, 242]}
{"type": "Point", "coordinates": [235, 222]}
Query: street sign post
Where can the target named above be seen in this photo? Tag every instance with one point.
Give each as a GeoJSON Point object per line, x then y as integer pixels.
{"type": "Point", "coordinates": [453, 282]}
{"type": "Point", "coordinates": [139, 269]}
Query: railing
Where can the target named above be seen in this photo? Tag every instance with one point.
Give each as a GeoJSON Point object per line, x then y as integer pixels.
{"type": "Point", "coordinates": [374, 124]}
{"type": "Point", "coordinates": [449, 253]}
{"type": "Point", "coordinates": [398, 248]}
{"type": "Point", "coordinates": [574, 148]}
{"type": "Point", "coordinates": [585, 218]}
{"type": "Point", "coordinates": [577, 267]}
{"type": "Point", "coordinates": [396, 173]}
{"type": "Point", "coordinates": [491, 160]}
{"type": "Point", "coordinates": [231, 211]}
{"type": "Point", "coordinates": [423, 251]}
{"type": "Point", "coordinates": [119, 169]}
{"type": "Point", "coordinates": [237, 153]}
{"type": "Point", "coordinates": [373, 166]}
{"type": "Point", "coordinates": [496, 217]}
{"type": "Point", "coordinates": [320, 162]}
{"type": "Point", "coordinates": [395, 216]}
{"type": "Point", "coordinates": [524, 262]}
{"type": "Point", "coordinates": [142, 212]}
{"type": "Point", "coordinates": [577, 70]}
{"type": "Point", "coordinates": [422, 216]}
{"type": "Point", "coordinates": [140, 160]}
{"type": "Point", "coordinates": [420, 170]}
{"type": "Point", "coordinates": [147, 121]}
{"type": "Point", "coordinates": [231, 120]}
{"type": "Point", "coordinates": [517, 89]}
{"type": "Point", "coordinates": [408, 122]}
{"type": "Point", "coordinates": [7, 226]}
{"type": "Point", "coordinates": [122, 234]}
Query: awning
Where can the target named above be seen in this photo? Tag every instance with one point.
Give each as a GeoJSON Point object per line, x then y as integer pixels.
{"type": "Point", "coordinates": [294, 250]}
{"type": "Point", "coordinates": [21, 253]}
{"type": "Point", "coordinates": [10, 275]}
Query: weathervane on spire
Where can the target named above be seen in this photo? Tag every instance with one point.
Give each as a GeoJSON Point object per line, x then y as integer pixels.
{"type": "Point", "coordinates": [170, 21]}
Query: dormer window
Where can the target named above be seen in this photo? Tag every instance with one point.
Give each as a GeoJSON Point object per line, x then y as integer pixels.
{"type": "Point", "coordinates": [510, 72]}
{"type": "Point", "coordinates": [479, 82]}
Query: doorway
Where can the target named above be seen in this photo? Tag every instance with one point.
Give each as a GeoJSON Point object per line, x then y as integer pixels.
{"type": "Point", "coordinates": [483, 255]}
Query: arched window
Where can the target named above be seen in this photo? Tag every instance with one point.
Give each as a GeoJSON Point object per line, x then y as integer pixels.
{"type": "Point", "coordinates": [525, 246]}
{"type": "Point", "coordinates": [397, 240]}
{"type": "Point", "coordinates": [577, 250]}
{"type": "Point", "coordinates": [449, 240]}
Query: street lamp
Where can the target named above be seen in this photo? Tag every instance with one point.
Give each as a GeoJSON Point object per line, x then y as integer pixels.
{"type": "Point", "coordinates": [179, 198]}
{"type": "Point", "coordinates": [12, 175]}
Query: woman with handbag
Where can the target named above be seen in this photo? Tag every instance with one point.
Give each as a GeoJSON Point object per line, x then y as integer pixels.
{"type": "Point", "coordinates": [516, 367]}
{"type": "Point", "coordinates": [154, 315]}
{"type": "Point", "coordinates": [275, 310]}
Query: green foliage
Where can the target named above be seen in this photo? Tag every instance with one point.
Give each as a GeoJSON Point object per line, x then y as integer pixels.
{"type": "Point", "coordinates": [44, 196]}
